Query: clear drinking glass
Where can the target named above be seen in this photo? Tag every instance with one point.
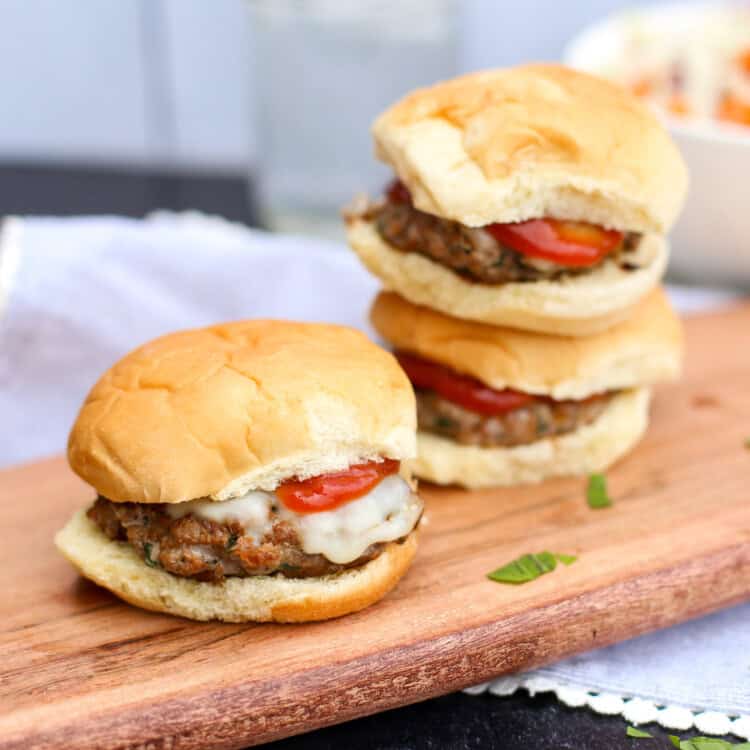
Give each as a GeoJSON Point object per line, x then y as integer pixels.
{"type": "Point", "coordinates": [323, 69]}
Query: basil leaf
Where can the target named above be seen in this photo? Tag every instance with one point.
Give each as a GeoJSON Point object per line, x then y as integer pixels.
{"type": "Point", "coordinates": [633, 732]}
{"type": "Point", "coordinates": [231, 542]}
{"type": "Point", "coordinates": [596, 494]}
{"type": "Point", "coordinates": [675, 740]}
{"type": "Point", "coordinates": [565, 559]}
{"type": "Point", "coordinates": [525, 568]}
{"type": "Point", "coordinates": [705, 743]}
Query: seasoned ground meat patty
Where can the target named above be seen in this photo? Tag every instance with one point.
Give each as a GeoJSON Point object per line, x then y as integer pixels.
{"type": "Point", "coordinates": [473, 253]}
{"type": "Point", "coordinates": [538, 419]}
{"type": "Point", "coordinates": [194, 547]}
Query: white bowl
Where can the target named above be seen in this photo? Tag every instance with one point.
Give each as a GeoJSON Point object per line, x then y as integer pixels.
{"type": "Point", "coordinates": [711, 241]}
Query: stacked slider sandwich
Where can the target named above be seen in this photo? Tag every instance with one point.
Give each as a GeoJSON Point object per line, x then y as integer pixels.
{"type": "Point", "coordinates": [522, 242]}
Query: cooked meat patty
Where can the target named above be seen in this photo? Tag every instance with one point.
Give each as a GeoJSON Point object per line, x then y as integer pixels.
{"type": "Point", "coordinates": [473, 253]}
{"type": "Point", "coordinates": [194, 547]}
{"type": "Point", "coordinates": [538, 419]}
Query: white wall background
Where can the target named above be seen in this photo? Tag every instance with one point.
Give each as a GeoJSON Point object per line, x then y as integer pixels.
{"type": "Point", "coordinates": [165, 82]}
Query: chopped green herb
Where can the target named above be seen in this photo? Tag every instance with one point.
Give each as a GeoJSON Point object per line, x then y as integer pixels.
{"type": "Point", "coordinates": [633, 732]}
{"type": "Point", "coordinates": [445, 423]}
{"type": "Point", "coordinates": [232, 541]}
{"type": "Point", "coordinates": [596, 494]}
{"type": "Point", "coordinates": [542, 426]}
{"type": "Point", "coordinates": [528, 567]}
{"type": "Point", "coordinates": [147, 556]}
{"type": "Point", "coordinates": [566, 559]}
{"type": "Point", "coordinates": [525, 568]}
{"type": "Point", "coordinates": [707, 743]}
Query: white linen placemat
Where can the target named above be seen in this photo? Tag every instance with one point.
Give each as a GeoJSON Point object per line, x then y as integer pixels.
{"type": "Point", "coordinates": [81, 292]}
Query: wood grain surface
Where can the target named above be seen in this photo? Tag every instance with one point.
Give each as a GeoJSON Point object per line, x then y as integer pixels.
{"type": "Point", "coordinates": [79, 669]}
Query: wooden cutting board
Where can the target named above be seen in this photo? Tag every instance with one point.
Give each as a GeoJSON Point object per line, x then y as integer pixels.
{"type": "Point", "coordinates": [79, 669]}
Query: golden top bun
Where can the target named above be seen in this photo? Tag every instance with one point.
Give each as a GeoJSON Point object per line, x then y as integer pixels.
{"type": "Point", "coordinates": [645, 348]}
{"type": "Point", "coordinates": [119, 568]}
{"type": "Point", "coordinates": [214, 412]}
{"type": "Point", "coordinates": [531, 141]}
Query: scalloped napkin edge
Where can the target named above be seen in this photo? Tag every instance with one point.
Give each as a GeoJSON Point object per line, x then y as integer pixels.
{"type": "Point", "coordinates": [632, 709]}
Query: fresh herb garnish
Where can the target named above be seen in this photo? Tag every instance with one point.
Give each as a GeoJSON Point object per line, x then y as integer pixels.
{"type": "Point", "coordinates": [445, 423]}
{"type": "Point", "coordinates": [528, 567]}
{"type": "Point", "coordinates": [147, 555]}
{"type": "Point", "coordinates": [596, 494]}
{"type": "Point", "coordinates": [707, 743]}
{"type": "Point", "coordinates": [232, 541]}
{"type": "Point", "coordinates": [639, 733]}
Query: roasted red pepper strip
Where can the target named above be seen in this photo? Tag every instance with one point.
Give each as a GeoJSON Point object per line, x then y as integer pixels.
{"type": "Point", "coordinates": [329, 491]}
{"type": "Point", "coordinates": [567, 243]}
{"type": "Point", "coordinates": [460, 389]}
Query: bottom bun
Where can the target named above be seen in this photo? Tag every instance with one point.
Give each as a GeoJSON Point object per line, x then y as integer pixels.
{"type": "Point", "coordinates": [117, 567]}
{"type": "Point", "coordinates": [588, 449]}
{"type": "Point", "coordinates": [572, 306]}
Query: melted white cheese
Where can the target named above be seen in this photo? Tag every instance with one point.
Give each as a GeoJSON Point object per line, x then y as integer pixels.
{"type": "Point", "coordinates": [388, 512]}
{"type": "Point", "coordinates": [252, 510]}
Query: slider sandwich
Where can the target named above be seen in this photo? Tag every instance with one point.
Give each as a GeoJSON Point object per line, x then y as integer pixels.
{"type": "Point", "coordinates": [498, 406]}
{"type": "Point", "coordinates": [535, 197]}
{"type": "Point", "coordinates": [247, 472]}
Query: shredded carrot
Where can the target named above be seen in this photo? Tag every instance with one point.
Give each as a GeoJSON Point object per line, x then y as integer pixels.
{"type": "Point", "coordinates": [642, 86]}
{"type": "Point", "coordinates": [678, 105]}
{"type": "Point", "coordinates": [732, 109]}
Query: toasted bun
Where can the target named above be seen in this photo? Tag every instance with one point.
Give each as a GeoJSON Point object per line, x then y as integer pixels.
{"type": "Point", "coordinates": [218, 411]}
{"type": "Point", "coordinates": [573, 306]}
{"type": "Point", "coordinates": [588, 449]}
{"type": "Point", "coordinates": [644, 349]}
{"type": "Point", "coordinates": [117, 567]}
{"type": "Point", "coordinates": [536, 140]}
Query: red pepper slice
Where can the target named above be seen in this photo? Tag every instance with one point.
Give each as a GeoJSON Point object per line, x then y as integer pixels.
{"type": "Point", "coordinates": [568, 243]}
{"type": "Point", "coordinates": [460, 389]}
{"type": "Point", "coordinates": [329, 491]}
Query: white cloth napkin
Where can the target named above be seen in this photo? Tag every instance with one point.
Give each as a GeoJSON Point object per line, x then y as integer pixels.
{"type": "Point", "coordinates": [87, 290]}
{"type": "Point", "coordinates": [82, 292]}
